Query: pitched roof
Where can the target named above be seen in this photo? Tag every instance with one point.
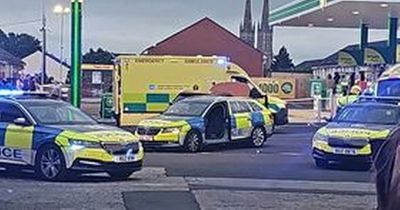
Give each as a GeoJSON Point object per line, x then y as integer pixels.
{"type": "Point", "coordinates": [307, 65]}
{"type": "Point", "coordinates": [8, 58]}
{"type": "Point", "coordinates": [201, 21]}
{"type": "Point", "coordinates": [51, 56]}
{"type": "Point", "coordinates": [333, 59]}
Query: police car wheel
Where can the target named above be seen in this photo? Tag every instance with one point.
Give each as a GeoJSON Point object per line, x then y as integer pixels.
{"type": "Point", "coordinates": [258, 137]}
{"type": "Point", "coordinates": [193, 142]}
{"type": "Point", "coordinates": [50, 163]}
{"type": "Point", "coordinates": [120, 174]}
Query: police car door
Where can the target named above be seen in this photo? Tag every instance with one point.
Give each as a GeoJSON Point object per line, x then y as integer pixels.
{"type": "Point", "coordinates": [240, 120]}
{"type": "Point", "coordinates": [15, 140]}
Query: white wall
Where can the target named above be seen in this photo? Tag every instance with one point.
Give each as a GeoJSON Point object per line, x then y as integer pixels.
{"type": "Point", "coordinates": [34, 66]}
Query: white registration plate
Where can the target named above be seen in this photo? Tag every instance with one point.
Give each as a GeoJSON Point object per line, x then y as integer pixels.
{"type": "Point", "coordinates": [124, 158]}
{"type": "Point", "coordinates": [344, 151]}
{"type": "Point", "coordinates": [146, 138]}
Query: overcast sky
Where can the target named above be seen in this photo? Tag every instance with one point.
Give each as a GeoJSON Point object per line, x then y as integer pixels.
{"type": "Point", "coordinates": [132, 25]}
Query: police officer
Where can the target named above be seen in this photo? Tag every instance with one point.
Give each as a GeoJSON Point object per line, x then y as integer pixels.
{"type": "Point", "coordinates": [354, 93]}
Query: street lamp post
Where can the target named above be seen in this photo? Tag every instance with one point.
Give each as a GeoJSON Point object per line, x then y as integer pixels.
{"type": "Point", "coordinates": [76, 52]}
{"type": "Point", "coordinates": [44, 43]}
{"type": "Point", "coordinates": [62, 11]}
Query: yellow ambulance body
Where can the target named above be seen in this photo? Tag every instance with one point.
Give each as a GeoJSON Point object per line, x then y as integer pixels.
{"type": "Point", "coordinates": [144, 86]}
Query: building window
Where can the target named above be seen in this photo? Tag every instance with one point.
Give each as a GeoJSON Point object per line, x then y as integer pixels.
{"type": "Point", "coordinates": [97, 78]}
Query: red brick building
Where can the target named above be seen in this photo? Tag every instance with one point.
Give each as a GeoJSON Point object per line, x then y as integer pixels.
{"type": "Point", "coordinates": [208, 38]}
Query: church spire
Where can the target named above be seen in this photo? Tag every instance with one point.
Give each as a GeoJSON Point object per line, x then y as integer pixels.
{"type": "Point", "coordinates": [247, 27]}
{"type": "Point", "coordinates": [265, 15]}
{"type": "Point", "coordinates": [247, 14]}
{"type": "Point", "coordinates": [265, 37]}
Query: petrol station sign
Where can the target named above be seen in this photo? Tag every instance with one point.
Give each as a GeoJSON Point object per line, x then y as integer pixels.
{"type": "Point", "coordinates": [278, 87]}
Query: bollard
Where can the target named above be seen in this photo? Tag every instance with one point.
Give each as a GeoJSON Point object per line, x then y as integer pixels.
{"type": "Point", "coordinates": [317, 107]}
{"type": "Point", "coordinates": [333, 105]}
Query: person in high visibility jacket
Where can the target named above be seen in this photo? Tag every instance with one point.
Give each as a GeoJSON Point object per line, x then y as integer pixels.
{"type": "Point", "coordinates": [355, 92]}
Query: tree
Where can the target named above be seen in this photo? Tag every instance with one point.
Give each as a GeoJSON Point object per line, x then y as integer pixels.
{"type": "Point", "coordinates": [98, 56]}
{"type": "Point", "coordinates": [19, 45]}
{"type": "Point", "coordinates": [282, 61]}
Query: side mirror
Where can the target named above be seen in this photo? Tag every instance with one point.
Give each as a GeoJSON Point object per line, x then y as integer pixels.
{"type": "Point", "coordinates": [21, 122]}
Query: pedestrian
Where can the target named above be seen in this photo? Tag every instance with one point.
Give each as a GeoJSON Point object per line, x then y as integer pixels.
{"type": "Point", "coordinates": [33, 85]}
{"type": "Point", "coordinates": [330, 86]}
{"type": "Point", "coordinates": [20, 83]}
{"type": "Point", "coordinates": [352, 80]}
{"type": "Point", "coordinates": [26, 83]}
{"type": "Point", "coordinates": [344, 83]}
{"type": "Point", "coordinates": [3, 83]}
{"type": "Point", "coordinates": [330, 83]}
{"type": "Point", "coordinates": [10, 84]}
{"type": "Point", "coordinates": [387, 173]}
{"type": "Point", "coordinates": [336, 79]}
{"type": "Point", "coordinates": [363, 81]}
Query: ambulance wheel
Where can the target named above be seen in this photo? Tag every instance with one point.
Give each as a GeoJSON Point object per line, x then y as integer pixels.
{"type": "Point", "coordinates": [193, 142]}
{"type": "Point", "coordinates": [258, 137]}
{"type": "Point", "coordinates": [120, 174]}
{"type": "Point", "coordinates": [50, 163]}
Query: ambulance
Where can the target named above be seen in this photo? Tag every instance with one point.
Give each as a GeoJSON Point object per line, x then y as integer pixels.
{"type": "Point", "coordinates": [145, 86]}
{"type": "Point", "coordinates": [388, 85]}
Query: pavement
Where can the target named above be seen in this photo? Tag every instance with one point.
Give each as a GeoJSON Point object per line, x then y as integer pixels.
{"type": "Point", "coordinates": [306, 116]}
{"type": "Point", "coordinates": [300, 115]}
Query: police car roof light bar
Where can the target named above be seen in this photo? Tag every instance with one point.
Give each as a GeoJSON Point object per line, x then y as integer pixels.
{"type": "Point", "coordinates": [11, 92]}
{"type": "Point", "coordinates": [22, 94]}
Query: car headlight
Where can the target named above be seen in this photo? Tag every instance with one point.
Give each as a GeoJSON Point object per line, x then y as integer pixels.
{"type": "Point", "coordinates": [320, 137]}
{"type": "Point", "coordinates": [81, 144]}
{"type": "Point", "coordinates": [175, 130]}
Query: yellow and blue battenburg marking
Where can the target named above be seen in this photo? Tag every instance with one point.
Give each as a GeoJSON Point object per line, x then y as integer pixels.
{"type": "Point", "coordinates": [18, 143]}
{"type": "Point", "coordinates": [142, 103]}
{"type": "Point", "coordinates": [241, 125]}
{"type": "Point", "coordinates": [42, 135]}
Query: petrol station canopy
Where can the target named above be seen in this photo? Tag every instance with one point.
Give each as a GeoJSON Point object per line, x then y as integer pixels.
{"type": "Point", "coordinates": [336, 13]}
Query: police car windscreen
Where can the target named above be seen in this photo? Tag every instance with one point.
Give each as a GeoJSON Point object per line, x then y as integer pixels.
{"type": "Point", "coordinates": [380, 115]}
{"type": "Point", "coordinates": [57, 114]}
{"type": "Point", "coordinates": [187, 108]}
{"type": "Point", "coordinates": [389, 88]}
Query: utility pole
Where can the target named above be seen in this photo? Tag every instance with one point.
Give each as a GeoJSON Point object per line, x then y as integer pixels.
{"type": "Point", "coordinates": [44, 42]}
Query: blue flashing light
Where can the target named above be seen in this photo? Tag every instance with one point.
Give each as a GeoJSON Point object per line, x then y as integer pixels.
{"type": "Point", "coordinates": [11, 92]}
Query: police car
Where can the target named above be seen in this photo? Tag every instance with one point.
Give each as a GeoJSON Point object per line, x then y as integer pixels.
{"type": "Point", "coordinates": [355, 135]}
{"type": "Point", "coordinates": [54, 138]}
{"type": "Point", "coordinates": [196, 121]}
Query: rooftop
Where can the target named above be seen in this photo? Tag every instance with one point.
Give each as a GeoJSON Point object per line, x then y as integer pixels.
{"type": "Point", "coordinates": [336, 13]}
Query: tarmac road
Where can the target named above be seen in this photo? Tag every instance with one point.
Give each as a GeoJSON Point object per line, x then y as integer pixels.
{"type": "Point", "coordinates": [286, 156]}
{"type": "Point", "coordinates": [279, 176]}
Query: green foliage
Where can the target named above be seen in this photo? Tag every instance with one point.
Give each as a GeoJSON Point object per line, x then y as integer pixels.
{"type": "Point", "coordinates": [19, 45]}
{"type": "Point", "coordinates": [98, 56]}
{"type": "Point", "coordinates": [282, 61]}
